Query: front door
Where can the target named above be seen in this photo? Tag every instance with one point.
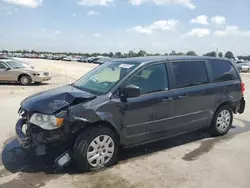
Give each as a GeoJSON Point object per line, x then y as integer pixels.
{"type": "Point", "coordinates": [192, 95]}
{"type": "Point", "coordinates": [4, 73]}
{"type": "Point", "coordinates": [151, 114]}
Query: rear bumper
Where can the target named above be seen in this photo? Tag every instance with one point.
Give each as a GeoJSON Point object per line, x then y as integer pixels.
{"type": "Point", "coordinates": [242, 105]}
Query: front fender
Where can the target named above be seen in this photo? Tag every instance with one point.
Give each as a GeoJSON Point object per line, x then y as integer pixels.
{"type": "Point", "coordinates": [90, 116]}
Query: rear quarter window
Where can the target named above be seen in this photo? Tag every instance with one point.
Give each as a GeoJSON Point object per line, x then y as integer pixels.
{"type": "Point", "coordinates": [222, 71]}
{"type": "Point", "coordinates": [189, 73]}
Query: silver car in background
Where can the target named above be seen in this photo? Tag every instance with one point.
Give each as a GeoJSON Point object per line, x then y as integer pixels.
{"type": "Point", "coordinates": [243, 66]}
{"type": "Point", "coordinates": [12, 70]}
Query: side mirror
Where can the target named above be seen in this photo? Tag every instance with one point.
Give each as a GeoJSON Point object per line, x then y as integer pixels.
{"type": "Point", "coordinates": [130, 91]}
{"type": "Point", "coordinates": [8, 68]}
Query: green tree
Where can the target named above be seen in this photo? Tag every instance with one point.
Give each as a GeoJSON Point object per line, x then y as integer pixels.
{"type": "Point", "coordinates": [211, 54]}
{"type": "Point", "coordinates": [19, 51]}
{"type": "Point", "coordinates": [191, 53]}
{"type": "Point", "coordinates": [166, 54]}
{"type": "Point", "coordinates": [132, 53]}
{"type": "Point", "coordinates": [180, 53]}
{"type": "Point", "coordinates": [111, 54]}
{"type": "Point", "coordinates": [118, 54]}
{"type": "Point", "coordinates": [105, 54]}
{"type": "Point", "coordinates": [229, 55]}
{"type": "Point", "coordinates": [220, 54]}
{"type": "Point", "coordinates": [173, 53]}
{"type": "Point", "coordinates": [243, 57]}
{"type": "Point", "coordinates": [142, 53]}
{"type": "Point", "coordinates": [125, 55]}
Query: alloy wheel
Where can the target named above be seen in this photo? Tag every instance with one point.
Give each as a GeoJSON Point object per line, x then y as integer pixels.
{"type": "Point", "coordinates": [223, 120]}
{"type": "Point", "coordinates": [100, 151]}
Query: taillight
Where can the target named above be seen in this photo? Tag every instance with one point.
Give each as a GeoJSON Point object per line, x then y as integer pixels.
{"type": "Point", "coordinates": [242, 87]}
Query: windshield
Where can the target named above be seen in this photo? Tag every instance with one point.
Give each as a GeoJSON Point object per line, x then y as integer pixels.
{"type": "Point", "coordinates": [101, 79]}
{"type": "Point", "coordinates": [16, 65]}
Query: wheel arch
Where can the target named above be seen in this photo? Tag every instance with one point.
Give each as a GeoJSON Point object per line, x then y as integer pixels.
{"type": "Point", "coordinates": [22, 74]}
{"type": "Point", "coordinates": [229, 103]}
{"type": "Point", "coordinates": [100, 123]}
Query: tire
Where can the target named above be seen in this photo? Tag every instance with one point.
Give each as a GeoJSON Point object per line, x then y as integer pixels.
{"type": "Point", "coordinates": [25, 80]}
{"type": "Point", "coordinates": [226, 115]}
{"type": "Point", "coordinates": [83, 147]}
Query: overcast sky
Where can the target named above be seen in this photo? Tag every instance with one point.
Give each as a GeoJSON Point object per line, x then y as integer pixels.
{"type": "Point", "coordinates": [123, 25]}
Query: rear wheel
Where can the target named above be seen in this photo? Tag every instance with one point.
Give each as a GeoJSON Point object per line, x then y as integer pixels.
{"type": "Point", "coordinates": [25, 80]}
{"type": "Point", "coordinates": [222, 121]}
{"type": "Point", "coordinates": [96, 148]}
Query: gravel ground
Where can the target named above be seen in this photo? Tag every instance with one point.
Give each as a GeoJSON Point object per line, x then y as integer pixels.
{"type": "Point", "coordinates": [192, 161]}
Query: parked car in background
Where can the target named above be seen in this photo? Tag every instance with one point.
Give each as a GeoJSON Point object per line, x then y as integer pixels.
{"type": "Point", "coordinates": [82, 59]}
{"type": "Point", "coordinates": [129, 102]}
{"type": "Point", "coordinates": [243, 66]}
{"type": "Point", "coordinates": [70, 58]}
{"type": "Point", "coordinates": [101, 60]}
{"type": "Point", "coordinates": [92, 59]}
{"type": "Point", "coordinates": [15, 71]}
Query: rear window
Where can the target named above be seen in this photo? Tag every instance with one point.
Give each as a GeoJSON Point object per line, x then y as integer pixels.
{"type": "Point", "coordinates": [190, 73]}
{"type": "Point", "coordinates": [222, 71]}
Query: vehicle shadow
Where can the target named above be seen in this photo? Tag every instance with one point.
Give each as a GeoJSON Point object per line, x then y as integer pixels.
{"type": "Point", "coordinates": [15, 159]}
{"type": "Point", "coordinates": [18, 84]}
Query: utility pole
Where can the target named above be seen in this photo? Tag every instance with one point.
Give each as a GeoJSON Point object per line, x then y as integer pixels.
{"type": "Point", "coordinates": [217, 52]}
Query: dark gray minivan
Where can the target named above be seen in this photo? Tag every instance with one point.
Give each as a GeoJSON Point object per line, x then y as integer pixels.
{"type": "Point", "coordinates": [128, 102]}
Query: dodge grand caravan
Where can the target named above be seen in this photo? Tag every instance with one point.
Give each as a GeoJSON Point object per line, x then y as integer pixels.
{"type": "Point", "coordinates": [129, 102]}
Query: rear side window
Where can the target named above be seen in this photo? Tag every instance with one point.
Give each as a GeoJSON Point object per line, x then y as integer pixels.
{"type": "Point", "coordinates": [222, 71]}
{"type": "Point", "coordinates": [190, 73]}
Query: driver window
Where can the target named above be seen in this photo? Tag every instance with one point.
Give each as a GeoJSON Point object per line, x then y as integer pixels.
{"type": "Point", "coordinates": [2, 66]}
{"type": "Point", "coordinates": [151, 79]}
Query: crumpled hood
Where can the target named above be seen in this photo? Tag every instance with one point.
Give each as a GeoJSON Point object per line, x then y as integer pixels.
{"type": "Point", "coordinates": [51, 101]}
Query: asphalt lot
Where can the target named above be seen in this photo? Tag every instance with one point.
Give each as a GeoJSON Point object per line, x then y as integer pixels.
{"type": "Point", "coordinates": [193, 160]}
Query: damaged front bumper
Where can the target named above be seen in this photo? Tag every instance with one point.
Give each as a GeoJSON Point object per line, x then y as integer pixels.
{"type": "Point", "coordinates": [33, 137]}
{"type": "Point", "coordinates": [39, 143]}
{"type": "Point", "coordinates": [24, 140]}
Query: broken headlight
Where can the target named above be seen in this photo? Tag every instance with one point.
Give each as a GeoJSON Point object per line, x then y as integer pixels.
{"type": "Point", "coordinates": [47, 122]}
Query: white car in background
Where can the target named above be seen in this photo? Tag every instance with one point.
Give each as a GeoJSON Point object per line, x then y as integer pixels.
{"type": "Point", "coordinates": [243, 66]}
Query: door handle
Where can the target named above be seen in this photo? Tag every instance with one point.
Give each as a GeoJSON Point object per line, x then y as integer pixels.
{"type": "Point", "coordinates": [167, 99]}
{"type": "Point", "coordinates": [182, 96]}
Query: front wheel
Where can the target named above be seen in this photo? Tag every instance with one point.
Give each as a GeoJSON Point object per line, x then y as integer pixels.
{"type": "Point", "coordinates": [222, 121]}
{"type": "Point", "coordinates": [25, 80]}
{"type": "Point", "coordinates": [96, 148]}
